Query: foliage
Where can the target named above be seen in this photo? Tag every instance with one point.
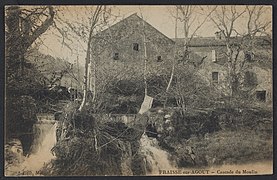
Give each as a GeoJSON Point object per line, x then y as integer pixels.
{"type": "Point", "coordinates": [88, 145]}
{"type": "Point", "coordinates": [13, 152]}
{"type": "Point", "coordinates": [13, 156]}
{"type": "Point", "coordinates": [240, 41]}
{"type": "Point", "coordinates": [244, 118]}
{"type": "Point", "coordinates": [220, 136]}
{"type": "Point", "coordinates": [20, 117]}
{"type": "Point", "coordinates": [191, 90]}
{"type": "Point", "coordinates": [193, 123]}
{"type": "Point", "coordinates": [54, 71]}
{"type": "Point", "coordinates": [188, 89]}
{"type": "Point", "coordinates": [24, 25]}
{"type": "Point", "coordinates": [126, 95]}
{"type": "Point", "coordinates": [233, 147]}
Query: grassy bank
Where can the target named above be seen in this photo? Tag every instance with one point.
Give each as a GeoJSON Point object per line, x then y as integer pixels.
{"type": "Point", "coordinates": [232, 147]}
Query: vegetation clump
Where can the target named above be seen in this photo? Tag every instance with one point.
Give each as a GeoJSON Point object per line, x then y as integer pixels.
{"type": "Point", "coordinates": [92, 146]}
{"type": "Point", "coordinates": [219, 136]}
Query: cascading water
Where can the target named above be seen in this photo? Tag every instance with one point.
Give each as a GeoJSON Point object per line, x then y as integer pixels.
{"type": "Point", "coordinates": [156, 158]}
{"type": "Point", "coordinates": [45, 139]}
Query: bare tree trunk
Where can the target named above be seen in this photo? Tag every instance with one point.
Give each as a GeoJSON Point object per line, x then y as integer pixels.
{"type": "Point", "coordinates": [85, 91]}
{"type": "Point", "coordinates": [19, 39]}
{"type": "Point", "coordinates": [89, 77]}
{"type": "Point", "coordinates": [145, 58]}
{"type": "Point", "coordinates": [94, 81]}
{"type": "Point", "coordinates": [145, 64]}
{"type": "Point", "coordinates": [230, 73]}
{"type": "Point", "coordinates": [95, 19]}
{"type": "Point", "coordinates": [173, 65]}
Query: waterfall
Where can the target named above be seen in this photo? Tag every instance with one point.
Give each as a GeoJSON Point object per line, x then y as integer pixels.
{"type": "Point", "coordinates": [45, 139]}
{"type": "Point", "coordinates": [156, 158]}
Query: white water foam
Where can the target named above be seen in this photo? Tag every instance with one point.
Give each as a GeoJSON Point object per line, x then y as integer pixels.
{"type": "Point", "coordinates": [43, 144]}
{"type": "Point", "coordinates": [155, 156]}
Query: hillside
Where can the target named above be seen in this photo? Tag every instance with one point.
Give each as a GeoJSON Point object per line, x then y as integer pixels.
{"type": "Point", "coordinates": [65, 73]}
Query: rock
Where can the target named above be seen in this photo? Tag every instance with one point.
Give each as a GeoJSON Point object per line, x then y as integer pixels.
{"type": "Point", "coordinates": [167, 121]}
{"type": "Point", "coordinates": [167, 116]}
{"type": "Point", "coordinates": [160, 111]}
{"type": "Point", "coordinates": [13, 156]}
{"type": "Point", "coordinates": [14, 150]}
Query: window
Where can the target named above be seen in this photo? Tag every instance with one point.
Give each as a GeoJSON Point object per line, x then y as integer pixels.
{"type": "Point", "coordinates": [116, 56]}
{"type": "Point", "coordinates": [250, 79]}
{"type": "Point", "coordinates": [261, 96]}
{"type": "Point", "coordinates": [213, 56]}
{"type": "Point", "coordinates": [215, 77]}
{"type": "Point", "coordinates": [187, 54]}
{"type": "Point", "coordinates": [248, 56]}
{"type": "Point", "coordinates": [159, 59]}
{"type": "Point", "coordinates": [135, 46]}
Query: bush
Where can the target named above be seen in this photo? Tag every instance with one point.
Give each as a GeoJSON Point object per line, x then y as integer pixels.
{"type": "Point", "coordinates": [120, 97]}
{"type": "Point", "coordinates": [92, 146]}
{"type": "Point", "coordinates": [244, 118]}
{"type": "Point", "coordinates": [78, 156]}
{"type": "Point", "coordinates": [245, 137]}
{"type": "Point", "coordinates": [232, 147]}
{"type": "Point", "coordinates": [20, 117]}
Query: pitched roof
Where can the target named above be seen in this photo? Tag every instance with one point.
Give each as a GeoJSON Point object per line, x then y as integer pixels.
{"type": "Point", "coordinates": [212, 41]}
{"type": "Point", "coordinates": [136, 18]}
{"type": "Point", "coordinates": [263, 54]}
{"type": "Point", "coordinates": [202, 41]}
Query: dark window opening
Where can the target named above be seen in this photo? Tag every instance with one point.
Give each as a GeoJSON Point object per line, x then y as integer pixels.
{"type": "Point", "coordinates": [215, 77]}
{"type": "Point", "coordinates": [159, 59]}
{"type": "Point", "coordinates": [261, 96]}
{"type": "Point", "coordinates": [135, 46]}
{"type": "Point", "coordinates": [248, 56]}
{"type": "Point", "coordinates": [116, 56]}
{"type": "Point", "coordinates": [250, 79]}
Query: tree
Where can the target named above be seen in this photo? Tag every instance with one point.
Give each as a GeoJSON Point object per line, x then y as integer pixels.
{"type": "Point", "coordinates": [84, 30]}
{"type": "Point", "coordinates": [24, 26]}
{"type": "Point", "coordinates": [188, 15]}
{"type": "Point", "coordinates": [192, 19]}
{"type": "Point", "coordinates": [230, 20]}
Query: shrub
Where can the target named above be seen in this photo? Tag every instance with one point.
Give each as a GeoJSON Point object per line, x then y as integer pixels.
{"type": "Point", "coordinates": [20, 117]}
{"type": "Point", "coordinates": [92, 146]}
{"type": "Point", "coordinates": [232, 147]}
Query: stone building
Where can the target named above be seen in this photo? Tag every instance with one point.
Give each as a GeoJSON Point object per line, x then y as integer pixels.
{"type": "Point", "coordinates": [209, 54]}
{"type": "Point", "coordinates": [120, 50]}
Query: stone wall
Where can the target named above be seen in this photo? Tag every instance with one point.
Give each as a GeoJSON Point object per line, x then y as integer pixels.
{"type": "Point", "coordinates": [121, 38]}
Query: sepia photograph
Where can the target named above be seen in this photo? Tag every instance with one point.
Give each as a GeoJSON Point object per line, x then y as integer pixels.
{"type": "Point", "coordinates": [138, 90]}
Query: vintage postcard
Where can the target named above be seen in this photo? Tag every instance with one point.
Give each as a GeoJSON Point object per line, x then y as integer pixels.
{"type": "Point", "coordinates": [141, 90]}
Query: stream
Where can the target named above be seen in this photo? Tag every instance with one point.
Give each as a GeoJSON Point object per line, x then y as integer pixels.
{"type": "Point", "coordinates": [156, 158]}
{"type": "Point", "coordinates": [45, 139]}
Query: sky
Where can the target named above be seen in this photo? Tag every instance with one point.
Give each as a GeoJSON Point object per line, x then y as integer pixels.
{"type": "Point", "coordinates": [159, 17]}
